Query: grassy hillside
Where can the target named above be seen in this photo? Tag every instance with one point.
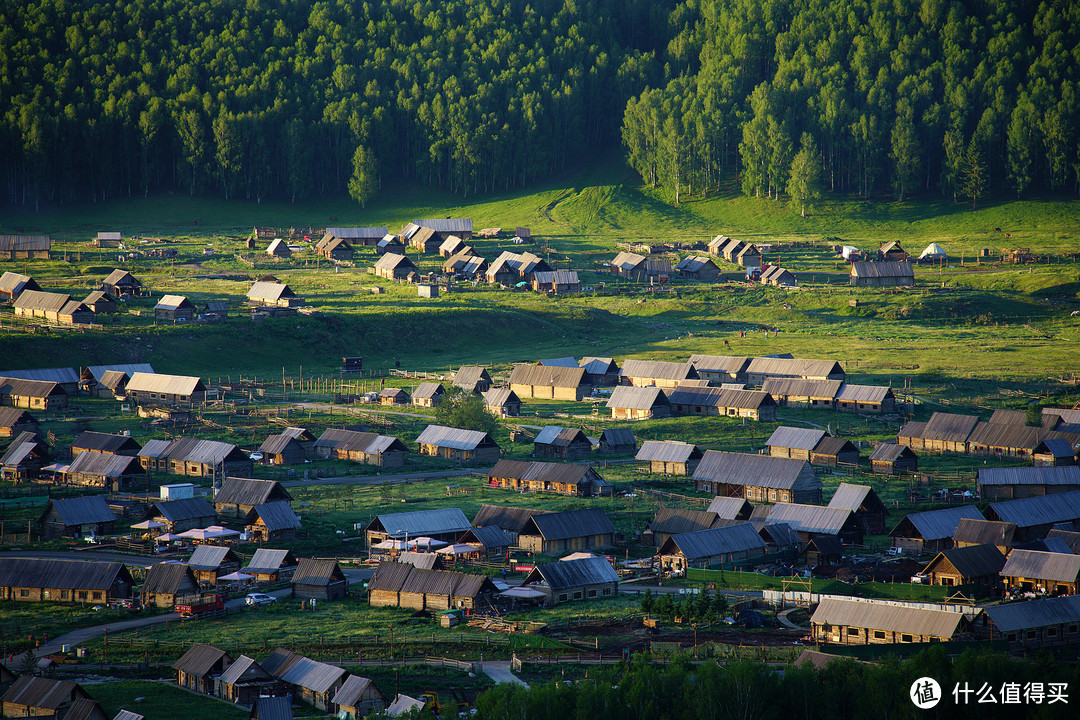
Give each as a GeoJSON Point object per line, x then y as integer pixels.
{"type": "Point", "coordinates": [594, 206]}
{"type": "Point", "coordinates": [966, 319]}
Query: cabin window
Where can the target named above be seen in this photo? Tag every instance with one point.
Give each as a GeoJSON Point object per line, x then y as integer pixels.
{"type": "Point", "coordinates": [1072, 628]}
{"type": "Point", "coordinates": [906, 638]}
{"type": "Point", "coordinates": [83, 594]}
{"type": "Point", "coordinates": [853, 632]}
{"type": "Point", "coordinates": [772, 496]}
{"type": "Point", "coordinates": [607, 591]}
{"type": "Point", "coordinates": [1051, 632]}
{"type": "Point", "coordinates": [577, 595]}
{"type": "Point", "coordinates": [562, 597]}
{"type": "Point", "coordinates": [63, 594]}
{"type": "Point", "coordinates": [592, 593]}
{"type": "Point", "coordinates": [1031, 634]}
{"type": "Point", "coordinates": [23, 592]}
{"type": "Point", "coordinates": [1011, 637]}
{"type": "Point", "coordinates": [879, 634]}
{"type": "Point", "coordinates": [97, 594]}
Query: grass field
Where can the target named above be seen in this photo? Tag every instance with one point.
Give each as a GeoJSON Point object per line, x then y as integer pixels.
{"type": "Point", "coordinates": [159, 701]}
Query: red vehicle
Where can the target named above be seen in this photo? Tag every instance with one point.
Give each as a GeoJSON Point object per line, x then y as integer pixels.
{"type": "Point", "coordinates": [194, 605]}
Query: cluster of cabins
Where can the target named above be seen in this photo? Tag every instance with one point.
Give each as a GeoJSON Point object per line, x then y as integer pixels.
{"type": "Point", "coordinates": [33, 696]}
{"type": "Point", "coordinates": [271, 686]}
{"type": "Point", "coordinates": [31, 301]}
{"type": "Point", "coordinates": [262, 507]}
{"type": "Point", "coordinates": [1006, 434]}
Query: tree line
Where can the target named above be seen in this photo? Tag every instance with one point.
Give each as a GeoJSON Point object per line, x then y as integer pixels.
{"type": "Point", "coordinates": [843, 689]}
{"type": "Point", "coordinates": [865, 97]}
{"type": "Point", "coordinates": [276, 99]}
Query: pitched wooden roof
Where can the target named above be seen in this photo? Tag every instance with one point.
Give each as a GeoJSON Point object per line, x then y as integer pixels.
{"type": "Point", "coordinates": [888, 617]}
{"type": "Point", "coordinates": [250, 491]}
{"type": "Point", "coordinates": [317, 571]}
{"type": "Point", "coordinates": [569, 524]}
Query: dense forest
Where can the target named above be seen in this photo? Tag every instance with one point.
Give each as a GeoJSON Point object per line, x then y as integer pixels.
{"type": "Point", "coordinates": [275, 99]}
{"type": "Point", "coordinates": [1000, 687]}
{"type": "Point", "coordinates": [864, 96]}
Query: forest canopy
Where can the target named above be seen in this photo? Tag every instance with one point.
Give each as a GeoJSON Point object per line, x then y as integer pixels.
{"type": "Point", "coordinates": [273, 99]}
{"type": "Point", "coordinates": [892, 97]}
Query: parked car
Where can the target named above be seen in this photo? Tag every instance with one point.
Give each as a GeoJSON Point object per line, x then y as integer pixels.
{"type": "Point", "coordinates": [260, 599]}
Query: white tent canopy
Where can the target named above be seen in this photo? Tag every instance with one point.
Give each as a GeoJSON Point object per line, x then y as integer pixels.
{"type": "Point", "coordinates": [237, 577]}
{"type": "Point", "coordinates": [147, 525]}
{"type": "Point", "coordinates": [458, 549]}
{"type": "Point", "coordinates": [933, 251]}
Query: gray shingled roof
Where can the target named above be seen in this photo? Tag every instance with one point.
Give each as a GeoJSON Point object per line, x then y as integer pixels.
{"type": "Point", "coordinates": [1038, 510]}
{"type": "Point", "coordinates": [799, 387]}
{"type": "Point", "coordinates": [795, 438]}
{"type": "Point", "coordinates": [276, 515]}
{"type": "Point", "coordinates": [547, 376]}
{"type": "Point", "coordinates": [713, 542]}
{"type": "Point", "coordinates": [1032, 614]}
{"type": "Point", "coordinates": [810, 518]}
{"type": "Point", "coordinates": [250, 491]}
{"type": "Point", "coordinates": [302, 671]}
{"type": "Point", "coordinates": [1038, 565]}
{"type": "Point", "coordinates": [167, 578]}
{"type": "Point", "coordinates": [424, 522]}
{"type": "Point", "coordinates": [1062, 475]}
{"type": "Point", "coordinates": [168, 384]}
{"type": "Point", "coordinates": [939, 524]}
{"type": "Point", "coordinates": [628, 397]}
{"type": "Point", "coordinates": [200, 660]}
{"type": "Point", "coordinates": [852, 497]}
{"type": "Point", "coordinates": [673, 521]}
{"type": "Point", "coordinates": [455, 438]}
{"type": "Point", "coordinates": [40, 692]}
{"type": "Point", "coordinates": [84, 510]}
{"type": "Point", "coordinates": [973, 561]}
{"type": "Point", "coordinates": [186, 509]}
{"type": "Point", "coordinates": [61, 574]}
{"type": "Point", "coordinates": [749, 470]}
{"type": "Point", "coordinates": [658, 370]}
{"type": "Point", "coordinates": [241, 667]}
{"type": "Point", "coordinates": [727, 507]}
{"type": "Point", "coordinates": [891, 451]}
{"type": "Point", "coordinates": [266, 561]}
{"type": "Point", "coordinates": [573, 573]}
{"type": "Point", "coordinates": [110, 466]}
{"type": "Point", "coordinates": [569, 524]}
{"type": "Point", "coordinates": [210, 557]}
{"type": "Point", "coordinates": [317, 571]}
{"type": "Point", "coordinates": [980, 532]}
{"type": "Point", "coordinates": [507, 518]}
{"type": "Point", "coordinates": [667, 451]}
{"type": "Point", "coordinates": [350, 693]}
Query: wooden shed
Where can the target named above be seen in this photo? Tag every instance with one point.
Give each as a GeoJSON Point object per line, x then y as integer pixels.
{"type": "Point", "coordinates": [882, 274]}
{"type": "Point", "coordinates": [669, 457]}
{"type": "Point", "coordinates": [731, 546]}
{"type": "Point", "coordinates": [559, 532]}
{"type": "Point", "coordinates": [757, 477]}
{"type": "Point", "coordinates": [175, 309]}
{"type": "Point", "coordinates": [502, 402]}
{"type": "Point", "coordinates": [867, 622]}
{"type": "Point", "coordinates": [358, 698]}
{"type": "Point", "coordinates": [890, 458]}
{"type": "Point", "coordinates": [237, 496]}
{"type": "Point", "coordinates": [272, 522]}
{"type": "Point", "coordinates": [395, 267]}
{"type": "Point", "coordinates": [199, 667]}
{"type": "Point", "coordinates": [590, 578]}
{"type": "Point", "coordinates": [466, 446]}
{"type": "Point", "coordinates": [405, 585]}
{"type": "Point", "coordinates": [553, 383]}
{"type": "Point", "coordinates": [77, 517]}
{"type": "Point", "coordinates": [975, 565]}
{"type": "Point", "coordinates": [1052, 573]}
{"type": "Point", "coordinates": [244, 681]}
{"type": "Point", "coordinates": [319, 579]}
{"type": "Point", "coordinates": [121, 282]}
{"type": "Point", "coordinates": [638, 403]}
{"type": "Point", "coordinates": [369, 448]}
{"type": "Point", "coordinates": [558, 442]}
{"type": "Point", "coordinates": [165, 582]}
{"type": "Point", "coordinates": [80, 581]}
{"type": "Point", "coordinates": [472, 379]}
{"type": "Point", "coordinates": [561, 478]}
{"type": "Point", "coordinates": [864, 503]}
{"type": "Point", "coordinates": [931, 529]}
